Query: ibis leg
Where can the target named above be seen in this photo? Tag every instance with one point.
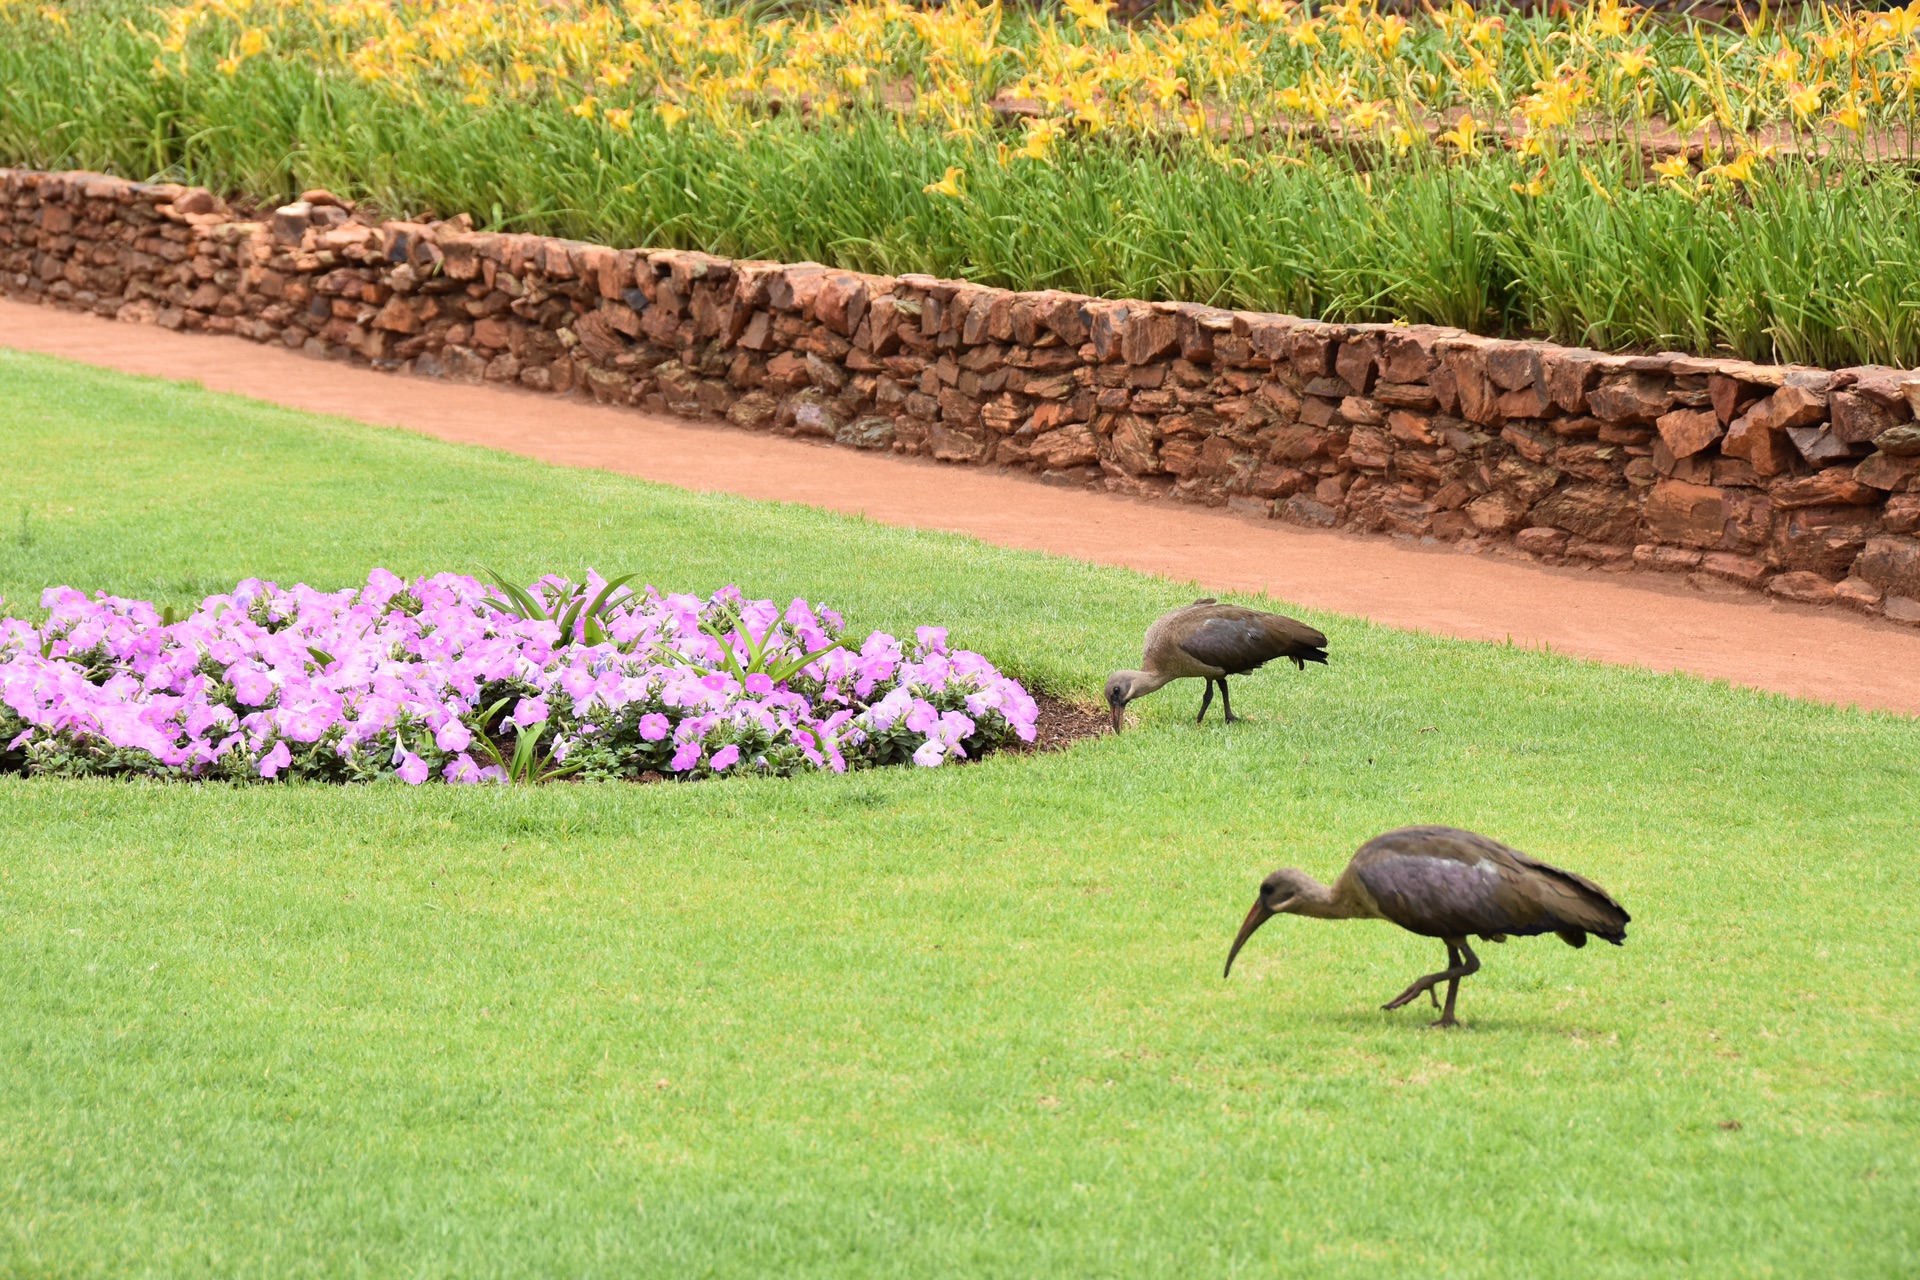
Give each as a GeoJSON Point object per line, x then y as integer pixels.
{"type": "Point", "coordinates": [1226, 703]}
{"type": "Point", "coordinates": [1462, 962]}
{"type": "Point", "coordinates": [1472, 963]}
{"type": "Point", "coordinates": [1206, 701]}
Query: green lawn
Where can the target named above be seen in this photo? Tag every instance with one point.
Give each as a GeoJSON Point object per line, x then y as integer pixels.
{"type": "Point", "coordinates": [965, 1022]}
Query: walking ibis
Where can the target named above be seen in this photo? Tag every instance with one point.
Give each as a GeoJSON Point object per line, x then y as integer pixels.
{"type": "Point", "coordinates": [1445, 883]}
{"type": "Point", "coordinates": [1210, 641]}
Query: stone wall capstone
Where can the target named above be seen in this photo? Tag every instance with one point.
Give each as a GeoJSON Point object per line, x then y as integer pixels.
{"type": "Point", "coordinates": [1796, 481]}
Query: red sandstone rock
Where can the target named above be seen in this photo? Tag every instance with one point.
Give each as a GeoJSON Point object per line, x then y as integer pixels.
{"type": "Point", "coordinates": [1901, 609]}
{"type": "Point", "coordinates": [1688, 431]}
{"type": "Point", "coordinates": [1495, 512]}
{"type": "Point", "coordinates": [1858, 594]}
{"type": "Point", "coordinates": [1884, 471]}
{"type": "Point", "coordinates": [1756, 437]}
{"type": "Point", "coordinates": [1891, 565]}
{"type": "Point", "coordinates": [1542, 541]}
{"type": "Point", "coordinates": [1630, 397]}
{"type": "Point", "coordinates": [1802, 587]}
{"type": "Point", "coordinates": [1691, 514]}
{"type": "Point", "coordinates": [1595, 512]}
{"type": "Point", "coordinates": [1833, 485]}
{"type": "Point", "coordinates": [1857, 419]}
{"type": "Point", "coordinates": [1665, 559]}
{"type": "Point", "coordinates": [1745, 570]}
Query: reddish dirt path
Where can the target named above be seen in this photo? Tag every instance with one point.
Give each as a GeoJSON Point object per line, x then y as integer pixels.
{"type": "Point", "coordinates": [1643, 621]}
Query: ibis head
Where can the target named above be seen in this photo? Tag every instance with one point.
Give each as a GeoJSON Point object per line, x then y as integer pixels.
{"type": "Point", "coordinates": [1284, 891]}
{"type": "Point", "coordinates": [1123, 687]}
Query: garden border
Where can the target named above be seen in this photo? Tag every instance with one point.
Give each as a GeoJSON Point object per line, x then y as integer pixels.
{"type": "Point", "coordinates": [1769, 477]}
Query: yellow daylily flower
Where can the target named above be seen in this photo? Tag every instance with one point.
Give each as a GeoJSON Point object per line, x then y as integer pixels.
{"type": "Point", "coordinates": [1090, 15]}
{"type": "Point", "coordinates": [949, 185]}
{"type": "Point", "coordinates": [1634, 63]}
{"type": "Point", "coordinates": [1041, 135]}
{"type": "Point", "coordinates": [1599, 187]}
{"type": "Point", "coordinates": [1366, 115]}
{"type": "Point", "coordinates": [1739, 169]}
{"type": "Point", "coordinates": [671, 114]}
{"type": "Point", "coordinates": [1464, 137]}
{"type": "Point", "coordinates": [1675, 167]}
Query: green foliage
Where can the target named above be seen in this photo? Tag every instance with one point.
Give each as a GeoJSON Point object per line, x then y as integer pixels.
{"type": "Point", "coordinates": [524, 765]}
{"type": "Point", "coordinates": [577, 611]}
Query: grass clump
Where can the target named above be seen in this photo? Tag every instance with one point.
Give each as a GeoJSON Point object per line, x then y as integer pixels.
{"type": "Point", "coordinates": [923, 1021]}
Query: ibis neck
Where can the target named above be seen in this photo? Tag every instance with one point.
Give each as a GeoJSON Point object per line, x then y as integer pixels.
{"type": "Point", "coordinates": [1329, 902]}
{"type": "Point", "coordinates": [1142, 683]}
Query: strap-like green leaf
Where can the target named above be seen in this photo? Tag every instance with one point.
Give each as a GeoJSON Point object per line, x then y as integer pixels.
{"type": "Point", "coordinates": [523, 752]}
{"type": "Point", "coordinates": [756, 652]}
{"type": "Point", "coordinates": [481, 735]}
{"type": "Point", "coordinates": [529, 608]}
{"type": "Point", "coordinates": [570, 617]}
{"type": "Point", "coordinates": [786, 671]}
{"type": "Point", "coordinates": [600, 601]}
{"type": "Point", "coordinates": [321, 656]}
{"type": "Point", "coordinates": [726, 652]}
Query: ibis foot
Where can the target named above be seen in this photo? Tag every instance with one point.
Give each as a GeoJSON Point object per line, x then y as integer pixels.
{"type": "Point", "coordinates": [1206, 700]}
{"type": "Point", "coordinates": [1461, 962]}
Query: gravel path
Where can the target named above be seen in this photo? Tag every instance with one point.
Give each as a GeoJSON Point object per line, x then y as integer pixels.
{"type": "Point", "coordinates": [1641, 619]}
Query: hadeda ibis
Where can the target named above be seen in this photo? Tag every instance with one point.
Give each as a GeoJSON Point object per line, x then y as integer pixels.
{"type": "Point", "coordinates": [1445, 883]}
{"type": "Point", "coordinates": [1210, 641]}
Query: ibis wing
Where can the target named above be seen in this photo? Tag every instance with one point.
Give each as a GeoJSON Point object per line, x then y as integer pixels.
{"type": "Point", "coordinates": [1242, 639]}
{"type": "Point", "coordinates": [1574, 899]}
{"type": "Point", "coordinates": [1445, 876]}
{"type": "Point", "coordinates": [1442, 898]}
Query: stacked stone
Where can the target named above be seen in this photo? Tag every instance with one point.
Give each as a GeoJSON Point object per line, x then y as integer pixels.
{"type": "Point", "coordinates": [1793, 480]}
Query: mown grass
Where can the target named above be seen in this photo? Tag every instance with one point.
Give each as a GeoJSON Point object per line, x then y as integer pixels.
{"type": "Point", "coordinates": [1810, 262]}
{"type": "Point", "coordinates": [920, 1023]}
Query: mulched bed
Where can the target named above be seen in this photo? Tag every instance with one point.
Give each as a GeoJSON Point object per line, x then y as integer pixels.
{"type": "Point", "coordinates": [1063, 723]}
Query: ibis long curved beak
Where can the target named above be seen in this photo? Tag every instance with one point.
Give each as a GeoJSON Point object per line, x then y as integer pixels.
{"type": "Point", "coordinates": [1255, 918]}
{"type": "Point", "coordinates": [1119, 710]}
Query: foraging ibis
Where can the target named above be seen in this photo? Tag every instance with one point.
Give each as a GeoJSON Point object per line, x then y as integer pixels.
{"type": "Point", "coordinates": [1445, 883]}
{"type": "Point", "coordinates": [1210, 641]}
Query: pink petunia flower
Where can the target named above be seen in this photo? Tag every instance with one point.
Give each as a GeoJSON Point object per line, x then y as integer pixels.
{"type": "Point", "coordinates": [275, 760]}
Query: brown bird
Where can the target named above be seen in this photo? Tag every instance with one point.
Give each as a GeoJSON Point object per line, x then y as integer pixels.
{"type": "Point", "coordinates": [1210, 641]}
{"type": "Point", "coordinates": [1445, 883]}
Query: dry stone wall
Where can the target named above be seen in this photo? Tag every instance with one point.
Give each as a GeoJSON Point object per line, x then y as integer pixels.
{"type": "Point", "coordinates": [1797, 481]}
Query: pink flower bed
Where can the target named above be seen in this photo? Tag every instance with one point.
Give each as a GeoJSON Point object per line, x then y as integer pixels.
{"type": "Point", "coordinates": [417, 680]}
